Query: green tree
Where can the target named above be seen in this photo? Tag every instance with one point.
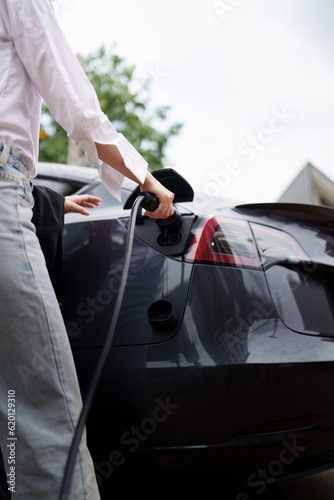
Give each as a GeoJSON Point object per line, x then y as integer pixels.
{"type": "Point", "coordinates": [125, 101]}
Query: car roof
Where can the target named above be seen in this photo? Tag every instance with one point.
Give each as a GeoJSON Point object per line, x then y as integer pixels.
{"type": "Point", "coordinates": [76, 173]}
{"type": "Point", "coordinates": [71, 172]}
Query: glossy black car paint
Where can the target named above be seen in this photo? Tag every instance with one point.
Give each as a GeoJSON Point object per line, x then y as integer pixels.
{"type": "Point", "coordinates": [229, 391]}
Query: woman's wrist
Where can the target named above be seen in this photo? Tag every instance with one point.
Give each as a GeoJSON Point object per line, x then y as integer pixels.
{"type": "Point", "coordinates": [149, 182]}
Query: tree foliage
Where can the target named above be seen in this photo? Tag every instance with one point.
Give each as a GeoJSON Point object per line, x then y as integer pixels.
{"type": "Point", "coordinates": [126, 102]}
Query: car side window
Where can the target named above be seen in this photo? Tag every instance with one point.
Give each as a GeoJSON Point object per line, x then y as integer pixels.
{"type": "Point", "coordinates": [60, 186]}
{"type": "Point", "coordinates": [107, 198]}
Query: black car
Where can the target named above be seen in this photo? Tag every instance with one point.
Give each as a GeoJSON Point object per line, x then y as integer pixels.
{"type": "Point", "coordinates": [221, 370]}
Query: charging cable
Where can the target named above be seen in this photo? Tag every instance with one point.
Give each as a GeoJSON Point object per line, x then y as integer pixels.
{"type": "Point", "coordinates": [150, 202]}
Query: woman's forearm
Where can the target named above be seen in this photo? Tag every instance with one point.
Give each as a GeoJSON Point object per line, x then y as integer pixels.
{"type": "Point", "coordinates": [111, 156]}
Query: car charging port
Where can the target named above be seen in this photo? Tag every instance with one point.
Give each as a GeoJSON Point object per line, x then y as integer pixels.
{"type": "Point", "coordinates": [165, 232]}
{"type": "Point", "coordinates": [166, 239]}
{"type": "Point", "coordinates": [170, 229]}
{"type": "Point", "coordinates": [169, 236]}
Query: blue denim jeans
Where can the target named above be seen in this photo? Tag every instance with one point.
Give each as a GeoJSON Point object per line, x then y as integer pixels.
{"type": "Point", "coordinates": [40, 399]}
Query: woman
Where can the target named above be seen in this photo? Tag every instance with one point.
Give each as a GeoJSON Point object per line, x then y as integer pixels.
{"type": "Point", "coordinates": [38, 380]}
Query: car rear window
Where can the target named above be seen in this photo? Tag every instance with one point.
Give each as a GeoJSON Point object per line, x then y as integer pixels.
{"type": "Point", "coordinates": [304, 297]}
{"type": "Point", "coordinates": [299, 267]}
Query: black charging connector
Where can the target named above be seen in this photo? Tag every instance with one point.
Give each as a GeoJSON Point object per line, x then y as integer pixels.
{"type": "Point", "coordinates": [150, 201]}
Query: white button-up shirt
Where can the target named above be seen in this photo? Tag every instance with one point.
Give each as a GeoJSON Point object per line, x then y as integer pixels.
{"type": "Point", "coordinates": [37, 63]}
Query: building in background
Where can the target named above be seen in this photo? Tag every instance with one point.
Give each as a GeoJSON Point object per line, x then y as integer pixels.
{"type": "Point", "coordinates": [310, 186]}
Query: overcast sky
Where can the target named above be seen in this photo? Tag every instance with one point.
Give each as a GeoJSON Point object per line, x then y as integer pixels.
{"type": "Point", "coordinates": [251, 80]}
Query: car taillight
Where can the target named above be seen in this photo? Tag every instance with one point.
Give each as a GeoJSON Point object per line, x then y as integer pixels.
{"type": "Point", "coordinates": [276, 246]}
{"type": "Point", "coordinates": [223, 241]}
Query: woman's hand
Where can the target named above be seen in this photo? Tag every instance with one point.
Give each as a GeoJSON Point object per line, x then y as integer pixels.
{"type": "Point", "coordinates": [77, 202]}
{"type": "Point", "coordinates": [165, 197]}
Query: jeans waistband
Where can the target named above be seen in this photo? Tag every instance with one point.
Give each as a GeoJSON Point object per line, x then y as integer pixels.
{"type": "Point", "coordinates": [11, 156]}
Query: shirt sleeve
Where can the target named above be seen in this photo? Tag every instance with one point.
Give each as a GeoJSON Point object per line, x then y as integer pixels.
{"type": "Point", "coordinates": [64, 86]}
